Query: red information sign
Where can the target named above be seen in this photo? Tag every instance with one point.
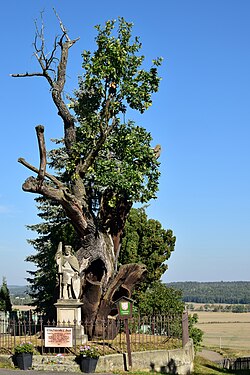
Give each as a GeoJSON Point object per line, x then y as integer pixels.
{"type": "Point", "coordinates": [58, 337]}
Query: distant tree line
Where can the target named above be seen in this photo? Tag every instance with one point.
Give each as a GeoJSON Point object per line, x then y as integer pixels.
{"type": "Point", "coordinates": [233, 292]}
{"type": "Point", "coordinates": [239, 308]}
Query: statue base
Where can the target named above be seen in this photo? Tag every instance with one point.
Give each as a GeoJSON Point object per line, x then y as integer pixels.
{"type": "Point", "coordinates": [68, 312]}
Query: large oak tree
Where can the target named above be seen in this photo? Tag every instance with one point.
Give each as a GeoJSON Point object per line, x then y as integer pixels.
{"type": "Point", "coordinates": [102, 165]}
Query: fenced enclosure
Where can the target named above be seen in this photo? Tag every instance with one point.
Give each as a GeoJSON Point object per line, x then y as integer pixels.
{"type": "Point", "coordinates": [145, 333]}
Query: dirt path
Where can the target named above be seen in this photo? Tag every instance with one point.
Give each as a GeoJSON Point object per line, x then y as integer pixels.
{"type": "Point", "coordinates": [211, 356]}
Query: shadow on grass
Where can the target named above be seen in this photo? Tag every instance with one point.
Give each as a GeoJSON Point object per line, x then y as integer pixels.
{"type": "Point", "coordinates": [220, 370]}
{"type": "Point", "coordinates": [170, 368]}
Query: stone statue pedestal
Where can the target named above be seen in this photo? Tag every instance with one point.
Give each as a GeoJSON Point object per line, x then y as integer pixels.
{"type": "Point", "coordinates": [69, 315]}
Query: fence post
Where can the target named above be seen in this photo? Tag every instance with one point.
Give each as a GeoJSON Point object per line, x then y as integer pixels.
{"type": "Point", "coordinates": [42, 338]}
{"type": "Point", "coordinates": [185, 335]}
{"type": "Point", "coordinates": [75, 333]}
{"type": "Point", "coordinates": [128, 343]}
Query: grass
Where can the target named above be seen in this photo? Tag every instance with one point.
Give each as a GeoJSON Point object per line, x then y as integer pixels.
{"type": "Point", "coordinates": [204, 367]}
{"type": "Point", "coordinates": [201, 367]}
{"type": "Point", "coordinates": [5, 363]}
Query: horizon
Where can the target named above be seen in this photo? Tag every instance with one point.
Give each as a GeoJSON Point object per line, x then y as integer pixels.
{"type": "Point", "coordinates": [172, 282]}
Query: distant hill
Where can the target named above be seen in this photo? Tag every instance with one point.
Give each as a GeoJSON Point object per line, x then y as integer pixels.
{"type": "Point", "coordinates": [230, 292]}
{"type": "Point", "coordinates": [19, 295]}
{"type": "Point", "coordinates": [18, 290]}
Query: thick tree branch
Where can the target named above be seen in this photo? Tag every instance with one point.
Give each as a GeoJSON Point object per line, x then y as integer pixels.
{"type": "Point", "coordinates": [68, 201]}
{"type": "Point", "coordinates": [61, 194]}
{"type": "Point", "coordinates": [125, 280]}
{"type": "Point", "coordinates": [42, 150]}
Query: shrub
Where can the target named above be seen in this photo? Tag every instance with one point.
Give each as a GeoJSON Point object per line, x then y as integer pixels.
{"type": "Point", "coordinates": [88, 351]}
{"type": "Point", "coordinates": [24, 347]}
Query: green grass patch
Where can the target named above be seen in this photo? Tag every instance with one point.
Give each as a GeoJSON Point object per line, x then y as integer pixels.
{"type": "Point", "coordinates": [5, 362]}
{"type": "Point", "coordinates": [204, 367]}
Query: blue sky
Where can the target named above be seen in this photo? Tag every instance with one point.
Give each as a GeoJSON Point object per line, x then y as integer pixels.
{"type": "Point", "coordinates": [200, 117]}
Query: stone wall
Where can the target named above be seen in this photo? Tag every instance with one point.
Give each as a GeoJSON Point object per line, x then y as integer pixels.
{"type": "Point", "coordinates": [177, 361]}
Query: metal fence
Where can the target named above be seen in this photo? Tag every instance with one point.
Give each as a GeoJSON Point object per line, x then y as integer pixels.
{"type": "Point", "coordinates": [145, 333]}
{"type": "Point", "coordinates": [237, 364]}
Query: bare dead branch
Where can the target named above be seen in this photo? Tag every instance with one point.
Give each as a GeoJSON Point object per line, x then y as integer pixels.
{"type": "Point", "coordinates": [56, 76]}
{"type": "Point", "coordinates": [20, 75]}
{"type": "Point", "coordinates": [52, 178]}
{"type": "Point", "coordinates": [52, 56]}
{"type": "Point", "coordinates": [42, 150]}
{"type": "Point", "coordinates": [64, 30]}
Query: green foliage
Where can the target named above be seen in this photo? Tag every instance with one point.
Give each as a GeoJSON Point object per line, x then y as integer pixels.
{"type": "Point", "coordinates": [160, 300]}
{"type": "Point", "coordinates": [5, 303]}
{"type": "Point", "coordinates": [126, 165]}
{"type": "Point", "coordinates": [89, 351]}
{"type": "Point", "coordinates": [146, 242]}
{"type": "Point", "coordinates": [24, 347]}
{"type": "Point", "coordinates": [115, 69]}
{"type": "Point", "coordinates": [196, 334]}
{"type": "Point", "coordinates": [122, 159]}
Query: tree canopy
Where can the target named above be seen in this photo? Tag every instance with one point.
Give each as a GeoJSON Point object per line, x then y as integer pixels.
{"type": "Point", "coordinates": [146, 241]}
{"type": "Point", "coordinates": [160, 300]}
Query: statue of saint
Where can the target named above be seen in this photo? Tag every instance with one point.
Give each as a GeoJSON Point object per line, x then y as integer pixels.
{"type": "Point", "coordinates": [68, 271]}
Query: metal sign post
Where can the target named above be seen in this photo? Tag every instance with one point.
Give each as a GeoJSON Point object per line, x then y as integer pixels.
{"type": "Point", "coordinates": [125, 307]}
{"type": "Point", "coordinates": [128, 342]}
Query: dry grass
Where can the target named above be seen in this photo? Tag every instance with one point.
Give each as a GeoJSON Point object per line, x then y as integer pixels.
{"type": "Point", "coordinates": [222, 317]}
{"type": "Point", "coordinates": [138, 342]}
{"type": "Point", "coordinates": [225, 329]}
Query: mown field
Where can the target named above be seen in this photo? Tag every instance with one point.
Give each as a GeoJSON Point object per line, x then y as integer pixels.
{"type": "Point", "coordinates": [225, 329]}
